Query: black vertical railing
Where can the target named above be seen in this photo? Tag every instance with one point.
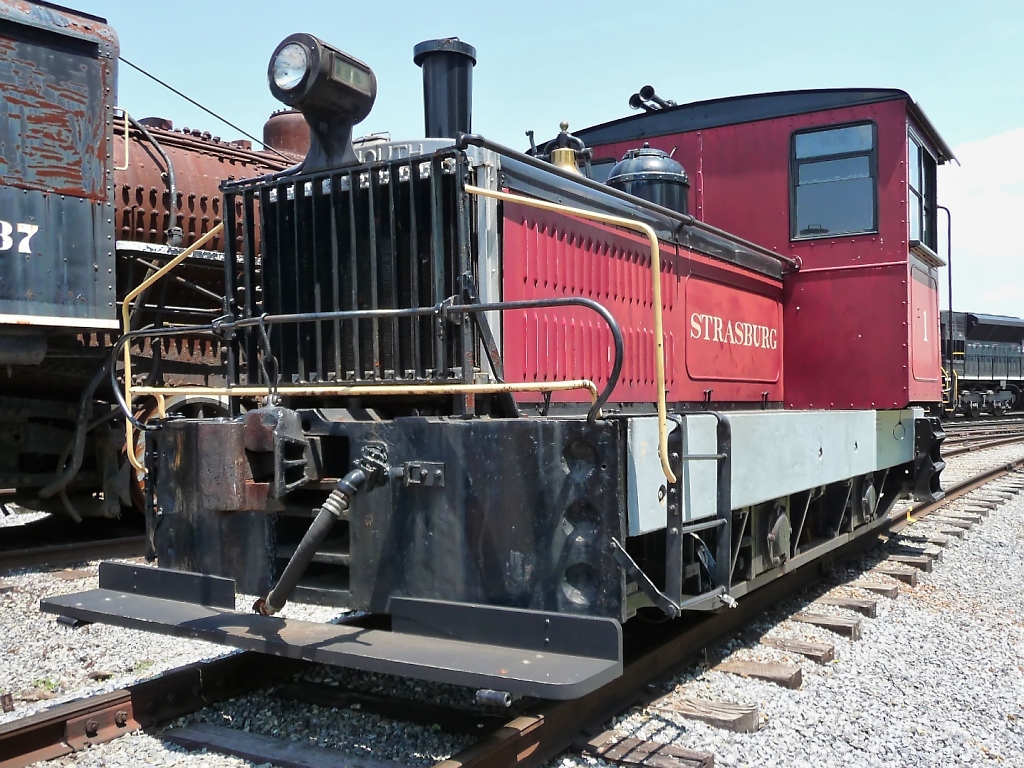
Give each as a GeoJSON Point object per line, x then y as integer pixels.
{"type": "Point", "coordinates": [395, 234]}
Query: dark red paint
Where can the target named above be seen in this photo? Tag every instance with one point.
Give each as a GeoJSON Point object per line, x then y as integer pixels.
{"type": "Point", "coordinates": [856, 322]}
{"type": "Point", "coordinates": [550, 255]}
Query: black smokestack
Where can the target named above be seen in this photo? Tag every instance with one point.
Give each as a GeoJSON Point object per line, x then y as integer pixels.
{"type": "Point", "coordinates": [447, 86]}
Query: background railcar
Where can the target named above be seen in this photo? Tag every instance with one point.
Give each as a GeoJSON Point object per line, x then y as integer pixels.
{"type": "Point", "coordinates": [983, 356]}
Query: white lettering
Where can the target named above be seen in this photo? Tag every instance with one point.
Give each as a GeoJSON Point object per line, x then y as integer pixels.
{"type": "Point", "coordinates": [25, 243]}
{"type": "Point", "coordinates": [29, 231]}
{"type": "Point", "coordinates": [734, 332]}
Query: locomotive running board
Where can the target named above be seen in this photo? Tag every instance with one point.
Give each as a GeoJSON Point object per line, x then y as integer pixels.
{"type": "Point", "coordinates": [522, 652]}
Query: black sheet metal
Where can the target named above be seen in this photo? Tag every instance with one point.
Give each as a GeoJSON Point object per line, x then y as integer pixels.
{"type": "Point", "coordinates": [531, 671]}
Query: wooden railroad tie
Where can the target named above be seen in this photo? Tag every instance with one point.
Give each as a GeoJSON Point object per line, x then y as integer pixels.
{"type": "Point", "coordinates": [867, 608]}
{"type": "Point", "coordinates": [822, 653]}
{"type": "Point", "coordinates": [933, 552]}
{"type": "Point", "coordinates": [906, 575]}
{"type": "Point", "coordinates": [885, 590]}
{"type": "Point", "coordinates": [841, 625]}
{"type": "Point", "coordinates": [965, 525]}
{"type": "Point", "coordinates": [73, 574]}
{"type": "Point", "coordinates": [739, 718]}
{"type": "Point", "coordinates": [955, 532]}
{"type": "Point", "coordinates": [786, 675]}
{"type": "Point", "coordinates": [934, 540]}
{"type": "Point", "coordinates": [619, 750]}
{"type": "Point", "coordinates": [978, 508]}
{"type": "Point", "coordinates": [971, 517]}
{"type": "Point", "coordinates": [921, 562]}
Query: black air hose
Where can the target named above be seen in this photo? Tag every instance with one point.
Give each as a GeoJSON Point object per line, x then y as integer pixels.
{"type": "Point", "coordinates": [370, 471]}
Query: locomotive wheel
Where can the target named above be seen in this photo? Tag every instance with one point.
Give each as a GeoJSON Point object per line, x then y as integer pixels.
{"type": "Point", "coordinates": [190, 407]}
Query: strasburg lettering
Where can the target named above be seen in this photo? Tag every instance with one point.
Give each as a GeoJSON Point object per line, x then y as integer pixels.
{"type": "Point", "coordinates": [733, 332]}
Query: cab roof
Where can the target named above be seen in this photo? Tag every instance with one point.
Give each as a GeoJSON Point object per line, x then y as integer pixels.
{"type": "Point", "coordinates": [749, 108]}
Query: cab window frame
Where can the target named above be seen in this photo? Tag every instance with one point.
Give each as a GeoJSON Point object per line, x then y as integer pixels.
{"type": "Point", "coordinates": [795, 164]}
{"type": "Point", "coordinates": [925, 200]}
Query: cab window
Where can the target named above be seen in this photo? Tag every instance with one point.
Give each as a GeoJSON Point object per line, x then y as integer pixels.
{"type": "Point", "coordinates": [834, 186]}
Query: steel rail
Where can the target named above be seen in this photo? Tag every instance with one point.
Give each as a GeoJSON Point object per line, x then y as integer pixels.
{"type": "Point", "coordinates": [72, 727]}
{"type": "Point", "coordinates": [962, 449]}
{"type": "Point", "coordinates": [903, 518]}
{"type": "Point", "coordinates": [71, 553]}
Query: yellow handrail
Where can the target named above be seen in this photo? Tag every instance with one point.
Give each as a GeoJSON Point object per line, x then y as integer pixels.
{"type": "Point", "coordinates": [342, 390]}
{"type": "Point", "coordinates": [310, 390]}
{"type": "Point", "coordinates": [129, 432]}
{"type": "Point", "coordinates": [418, 389]}
{"type": "Point", "coordinates": [659, 344]}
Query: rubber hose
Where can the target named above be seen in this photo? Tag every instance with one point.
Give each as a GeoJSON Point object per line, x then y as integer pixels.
{"type": "Point", "coordinates": [333, 508]}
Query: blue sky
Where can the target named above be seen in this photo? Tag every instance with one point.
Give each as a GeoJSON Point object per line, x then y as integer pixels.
{"type": "Point", "coordinates": [539, 64]}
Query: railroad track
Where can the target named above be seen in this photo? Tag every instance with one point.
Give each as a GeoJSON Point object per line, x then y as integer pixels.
{"type": "Point", "coordinates": [532, 740]}
{"type": "Point", "coordinates": [536, 734]}
{"type": "Point", "coordinates": [968, 444]}
{"type": "Point", "coordinates": [70, 553]}
{"type": "Point", "coordinates": [56, 542]}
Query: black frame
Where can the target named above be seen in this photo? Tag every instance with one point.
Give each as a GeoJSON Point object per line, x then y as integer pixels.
{"type": "Point", "coordinates": [926, 200]}
{"type": "Point", "coordinates": [794, 167]}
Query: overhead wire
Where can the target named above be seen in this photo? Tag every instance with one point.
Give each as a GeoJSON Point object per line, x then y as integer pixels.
{"type": "Point", "coordinates": [209, 111]}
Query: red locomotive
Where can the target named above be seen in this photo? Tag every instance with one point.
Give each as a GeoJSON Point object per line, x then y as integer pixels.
{"type": "Point", "coordinates": [507, 407]}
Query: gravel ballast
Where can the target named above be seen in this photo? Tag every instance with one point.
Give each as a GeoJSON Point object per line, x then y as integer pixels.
{"type": "Point", "coordinates": [937, 679]}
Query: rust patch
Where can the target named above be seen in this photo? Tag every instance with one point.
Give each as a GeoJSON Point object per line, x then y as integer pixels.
{"type": "Point", "coordinates": [56, 101]}
{"type": "Point", "coordinates": [101, 726]}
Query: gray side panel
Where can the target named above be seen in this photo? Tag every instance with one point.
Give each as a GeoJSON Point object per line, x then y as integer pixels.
{"type": "Point", "coordinates": [775, 454]}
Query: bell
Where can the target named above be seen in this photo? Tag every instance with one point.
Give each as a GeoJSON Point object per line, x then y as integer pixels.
{"type": "Point", "coordinates": [565, 157]}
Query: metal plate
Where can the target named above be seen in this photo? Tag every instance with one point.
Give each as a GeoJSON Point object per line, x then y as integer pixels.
{"type": "Point", "coordinates": [775, 454]}
{"type": "Point", "coordinates": [214, 591]}
{"type": "Point", "coordinates": [54, 262]}
{"type": "Point", "coordinates": [478, 665]}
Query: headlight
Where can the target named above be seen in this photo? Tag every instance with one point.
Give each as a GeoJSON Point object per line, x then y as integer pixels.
{"type": "Point", "coordinates": [290, 66]}
{"type": "Point", "coordinates": [318, 79]}
{"type": "Point", "coordinates": [331, 89]}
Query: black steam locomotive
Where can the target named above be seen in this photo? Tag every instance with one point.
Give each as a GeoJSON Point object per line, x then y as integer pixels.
{"type": "Point", "coordinates": [92, 202]}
